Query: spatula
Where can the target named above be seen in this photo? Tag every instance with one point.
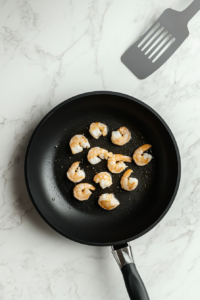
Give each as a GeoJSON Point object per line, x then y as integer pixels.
{"type": "Point", "coordinates": [162, 39]}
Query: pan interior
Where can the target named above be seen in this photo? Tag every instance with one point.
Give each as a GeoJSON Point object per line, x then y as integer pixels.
{"type": "Point", "coordinates": [49, 157]}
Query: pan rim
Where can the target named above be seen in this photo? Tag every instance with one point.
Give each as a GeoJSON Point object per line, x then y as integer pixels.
{"type": "Point", "coordinates": [119, 95]}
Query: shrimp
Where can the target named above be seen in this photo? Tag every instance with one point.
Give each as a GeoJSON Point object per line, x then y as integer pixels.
{"type": "Point", "coordinates": [77, 143]}
{"type": "Point", "coordinates": [141, 158]}
{"type": "Point", "coordinates": [121, 136]}
{"type": "Point", "coordinates": [97, 129]}
{"type": "Point", "coordinates": [95, 152]}
{"type": "Point", "coordinates": [128, 184]}
{"type": "Point", "coordinates": [82, 191]}
{"type": "Point", "coordinates": [75, 174]}
{"type": "Point", "coordinates": [116, 163]}
{"type": "Point", "coordinates": [104, 179]}
{"type": "Point", "coordinates": [108, 201]}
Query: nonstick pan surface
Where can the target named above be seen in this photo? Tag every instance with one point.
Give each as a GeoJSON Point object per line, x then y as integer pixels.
{"type": "Point", "coordinates": [49, 156]}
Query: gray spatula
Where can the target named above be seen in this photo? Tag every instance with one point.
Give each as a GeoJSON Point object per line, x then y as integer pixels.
{"type": "Point", "coordinates": [162, 39]}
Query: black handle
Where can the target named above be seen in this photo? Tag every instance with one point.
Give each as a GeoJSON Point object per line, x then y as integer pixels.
{"type": "Point", "coordinates": [134, 283]}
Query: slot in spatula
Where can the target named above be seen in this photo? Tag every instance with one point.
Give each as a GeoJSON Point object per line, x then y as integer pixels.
{"type": "Point", "coordinates": [162, 39]}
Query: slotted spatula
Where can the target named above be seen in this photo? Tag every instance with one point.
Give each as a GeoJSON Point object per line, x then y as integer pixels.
{"type": "Point", "coordinates": [162, 39]}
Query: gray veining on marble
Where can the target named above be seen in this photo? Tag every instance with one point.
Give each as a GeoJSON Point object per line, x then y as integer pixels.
{"type": "Point", "coordinates": [50, 51]}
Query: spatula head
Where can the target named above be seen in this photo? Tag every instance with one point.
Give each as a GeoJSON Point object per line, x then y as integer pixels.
{"type": "Point", "coordinates": [154, 48]}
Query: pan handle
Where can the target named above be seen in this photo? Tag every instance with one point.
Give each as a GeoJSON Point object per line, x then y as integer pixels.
{"type": "Point", "coordinates": [134, 284]}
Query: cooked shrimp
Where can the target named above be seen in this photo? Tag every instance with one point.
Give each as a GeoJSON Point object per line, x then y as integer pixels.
{"type": "Point", "coordinates": [95, 153]}
{"type": "Point", "coordinates": [78, 142]}
{"type": "Point", "coordinates": [141, 158]}
{"type": "Point", "coordinates": [108, 201]}
{"type": "Point", "coordinates": [75, 174]}
{"type": "Point", "coordinates": [116, 163]}
{"type": "Point", "coordinates": [82, 191]}
{"type": "Point", "coordinates": [97, 129]}
{"type": "Point", "coordinates": [104, 179]}
{"type": "Point", "coordinates": [128, 184]}
{"type": "Point", "coordinates": [121, 136]}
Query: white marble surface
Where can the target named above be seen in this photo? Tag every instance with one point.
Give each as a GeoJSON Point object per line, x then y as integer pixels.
{"type": "Point", "coordinates": [50, 51]}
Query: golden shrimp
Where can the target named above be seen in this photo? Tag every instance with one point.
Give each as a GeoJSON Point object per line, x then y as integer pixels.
{"type": "Point", "coordinates": [75, 174]}
{"type": "Point", "coordinates": [121, 136]}
{"type": "Point", "coordinates": [95, 153]}
{"type": "Point", "coordinates": [141, 158]}
{"type": "Point", "coordinates": [116, 163]}
{"type": "Point", "coordinates": [78, 142]}
{"type": "Point", "coordinates": [82, 191]}
{"type": "Point", "coordinates": [97, 129]}
{"type": "Point", "coordinates": [108, 201]}
{"type": "Point", "coordinates": [128, 184]}
{"type": "Point", "coordinates": [104, 179]}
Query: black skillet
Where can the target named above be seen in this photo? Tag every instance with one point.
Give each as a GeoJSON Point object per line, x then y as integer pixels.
{"type": "Point", "coordinates": [48, 158]}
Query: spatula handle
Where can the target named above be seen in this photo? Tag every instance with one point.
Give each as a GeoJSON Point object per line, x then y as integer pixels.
{"type": "Point", "coordinates": [191, 10]}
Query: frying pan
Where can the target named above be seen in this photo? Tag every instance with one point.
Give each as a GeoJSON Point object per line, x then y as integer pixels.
{"type": "Point", "coordinates": [48, 157]}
